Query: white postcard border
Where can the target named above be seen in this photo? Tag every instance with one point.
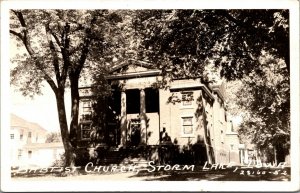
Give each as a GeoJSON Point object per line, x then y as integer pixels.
{"type": "Point", "coordinates": [62, 185]}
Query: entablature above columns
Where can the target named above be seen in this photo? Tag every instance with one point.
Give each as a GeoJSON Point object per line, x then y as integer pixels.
{"type": "Point", "coordinates": [137, 83]}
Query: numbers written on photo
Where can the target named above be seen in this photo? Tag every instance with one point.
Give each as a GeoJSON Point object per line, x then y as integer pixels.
{"type": "Point", "coordinates": [262, 172]}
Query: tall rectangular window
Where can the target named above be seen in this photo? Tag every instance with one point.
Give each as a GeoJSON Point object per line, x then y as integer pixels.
{"type": "Point", "coordinates": [187, 98]}
{"type": "Point", "coordinates": [29, 134]}
{"type": "Point", "coordinates": [21, 136]}
{"type": "Point", "coordinates": [19, 154]}
{"type": "Point", "coordinates": [222, 136]}
{"type": "Point", "coordinates": [12, 136]}
{"type": "Point", "coordinates": [85, 131]}
{"type": "Point", "coordinates": [87, 107]}
{"type": "Point", "coordinates": [87, 110]}
{"type": "Point", "coordinates": [222, 113]}
{"type": "Point", "coordinates": [29, 154]}
{"type": "Point", "coordinates": [187, 125]}
{"type": "Point", "coordinates": [231, 127]}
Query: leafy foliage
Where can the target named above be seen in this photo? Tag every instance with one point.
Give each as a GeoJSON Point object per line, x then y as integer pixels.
{"type": "Point", "coordinates": [60, 45]}
{"type": "Point", "coordinates": [61, 41]}
{"type": "Point", "coordinates": [247, 45]}
{"type": "Point", "coordinates": [264, 101]}
{"type": "Point", "coordinates": [184, 40]}
{"type": "Point", "coordinates": [53, 137]}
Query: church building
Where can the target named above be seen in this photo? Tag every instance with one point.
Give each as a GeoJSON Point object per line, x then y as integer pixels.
{"type": "Point", "coordinates": [185, 113]}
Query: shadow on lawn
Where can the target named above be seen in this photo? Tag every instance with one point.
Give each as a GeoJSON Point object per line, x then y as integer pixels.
{"type": "Point", "coordinates": [218, 175]}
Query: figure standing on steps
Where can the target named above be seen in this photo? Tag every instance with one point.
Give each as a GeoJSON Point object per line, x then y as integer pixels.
{"type": "Point", "coordinates": [162, 135]}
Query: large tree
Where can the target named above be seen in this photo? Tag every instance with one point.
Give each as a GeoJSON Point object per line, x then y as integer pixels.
{"type": "Point", "coordinates": [233, 39]}
{"type": "Point", "coordinates": [247, 45]}
{"type": "Point", "coordinates": [264, 103]}
{"type": "Point", "coordinates": [59, 45]}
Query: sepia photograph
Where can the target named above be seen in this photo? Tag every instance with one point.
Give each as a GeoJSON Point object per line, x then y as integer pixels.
{"type": "Point", "coordinates": [137, 98]}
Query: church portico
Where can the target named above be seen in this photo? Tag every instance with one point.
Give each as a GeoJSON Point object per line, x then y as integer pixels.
{"type": "Point", "coordinates": [135, 116]}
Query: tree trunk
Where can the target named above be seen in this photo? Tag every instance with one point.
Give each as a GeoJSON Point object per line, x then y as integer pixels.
{"type": "Point", "coordinates": [275, 155]}
{"type": "Point", "coordinates": [280, 153]}
{"type": "Point", "coordinates": [74, 108]}
{"type": "Point", "coordinates": [69, 150]}
{"type": "Point", "coordinates": [210, 155]}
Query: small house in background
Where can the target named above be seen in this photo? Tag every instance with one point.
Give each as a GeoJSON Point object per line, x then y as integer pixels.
{"type": "Point", "coordinates": [188, 115]}
{"type": "Point", "coordinates": [28, 147]}
{"type": "Point", "coordinates": [42, 154]}
{"type": "Point", "coordinates": [249, 154]}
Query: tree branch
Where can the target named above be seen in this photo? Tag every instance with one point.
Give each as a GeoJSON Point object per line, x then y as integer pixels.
{"type": "Point", "coordinates": [56, 38]}
{"type": "Point", "coordinates": [85, 51]}
{"type": "Point", "coordinates": [30, 51]}
{"type": "Point", "coordinates": [225, 14]}
{"type": "Point", "coordinates": [20, 17]}
{"type": "Point", "coordinates": [51, 83]}
{"type": "Point", "coordinates": [85, 48]}
{"type": "Point", "coordinates": [65, 52]}
{"type": "Point", "coordinates": [19, 35]}
{"type": "Point", "coordinates": [50, 30]}
{"type": "Point", "coordinates": [54, 53]}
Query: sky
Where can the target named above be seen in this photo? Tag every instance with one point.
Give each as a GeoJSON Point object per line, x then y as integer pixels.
{"type": "Point", "coordinates": [41, 109]}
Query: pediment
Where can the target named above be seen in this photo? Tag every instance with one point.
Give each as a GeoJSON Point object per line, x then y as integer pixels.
{"type": "Point", "coordinates": [132, 66]}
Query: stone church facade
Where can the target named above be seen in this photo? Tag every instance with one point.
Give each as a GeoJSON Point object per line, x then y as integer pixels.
{"type": "Point", "coordinates": [185, 113]}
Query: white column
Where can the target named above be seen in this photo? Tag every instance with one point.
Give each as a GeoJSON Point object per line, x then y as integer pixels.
{"type": "Point", "coordinates": [143, 117]}
{"type": "Point", "coordinates": [123, 125]}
